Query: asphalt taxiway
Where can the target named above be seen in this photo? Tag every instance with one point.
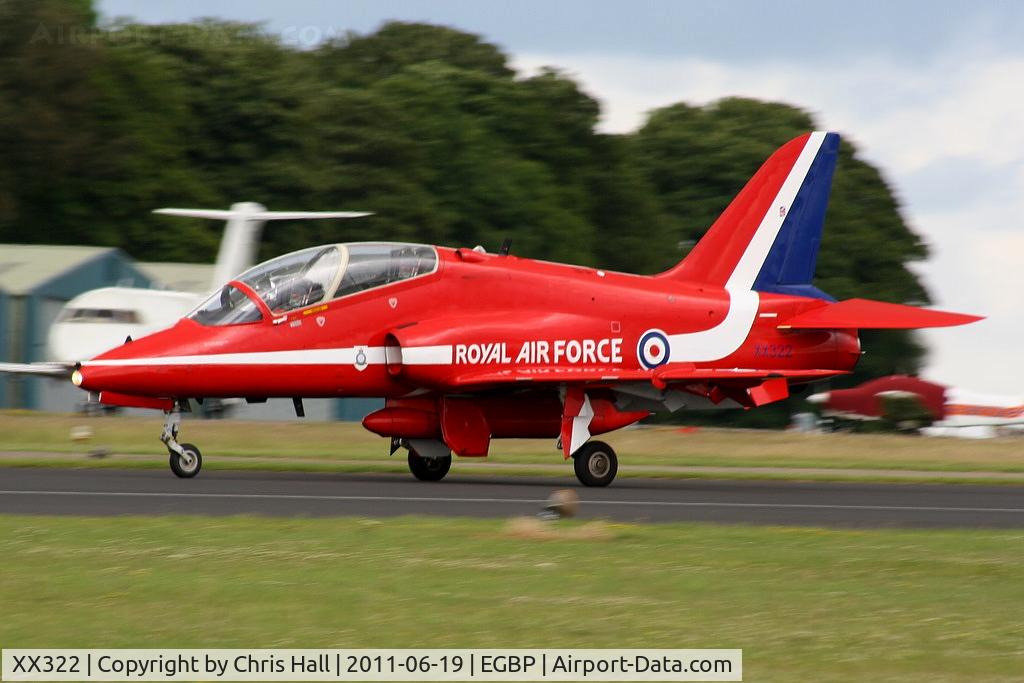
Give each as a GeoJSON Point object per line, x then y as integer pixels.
{"type": "Point", "coordinates": [102, 491]}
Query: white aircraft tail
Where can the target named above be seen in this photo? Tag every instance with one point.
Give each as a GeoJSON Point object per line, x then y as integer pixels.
{"type": "Point", "coordinates": [241, 238]}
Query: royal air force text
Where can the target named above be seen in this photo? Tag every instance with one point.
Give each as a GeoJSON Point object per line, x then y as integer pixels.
{"type": "Point", "coordinates": [542, 352]}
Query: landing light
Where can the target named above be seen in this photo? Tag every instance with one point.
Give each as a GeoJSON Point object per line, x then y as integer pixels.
{"type": "Point", "coordinates": [76, 378]}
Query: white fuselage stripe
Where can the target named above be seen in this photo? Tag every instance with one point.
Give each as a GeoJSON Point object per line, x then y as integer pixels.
{"type": "Point", "coordinates": [721, 340]}
{"type": "Point", "coordinates": [427, 355]}
{"type": "Point", "coordinates": [374, 355]}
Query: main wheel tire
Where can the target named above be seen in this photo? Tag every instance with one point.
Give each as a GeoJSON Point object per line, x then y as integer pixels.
{"type": "Point", "coordinates": [595, 464]}
{"type": "Point", "coordinates": [428, 469]}
{"type": "Point", "coordinates": [188, 466]}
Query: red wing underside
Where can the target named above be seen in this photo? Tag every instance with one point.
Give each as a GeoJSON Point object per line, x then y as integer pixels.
{"type": "Point", "coordinates": [876, 315]}
{"type": "Point", "coordinates": [612, 376]}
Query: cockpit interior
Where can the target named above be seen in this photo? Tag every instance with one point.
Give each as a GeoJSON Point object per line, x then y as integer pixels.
{"type": "Point", "coordinates": [311, 276]}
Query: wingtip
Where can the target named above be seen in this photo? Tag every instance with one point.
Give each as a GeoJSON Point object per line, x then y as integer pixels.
{"type": "Point", "coordinates": [952, 318]}
{"type": "Point", "coordinates": [970, 318]}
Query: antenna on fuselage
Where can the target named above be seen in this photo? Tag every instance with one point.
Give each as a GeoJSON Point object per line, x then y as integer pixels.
{"type": "Point", "coordinates": [506, 246]}
{"type": "Point", "coordinates": [245, 220]}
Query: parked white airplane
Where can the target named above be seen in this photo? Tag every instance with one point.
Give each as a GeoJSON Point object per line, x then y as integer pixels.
{"type": "Point", "coordinates": [100, 319]}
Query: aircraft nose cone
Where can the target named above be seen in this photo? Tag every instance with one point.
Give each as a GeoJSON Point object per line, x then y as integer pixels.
{"type": "Point", "coordinates": [818, 399]}
{"type": "Point", "coordinates": [96, 378]}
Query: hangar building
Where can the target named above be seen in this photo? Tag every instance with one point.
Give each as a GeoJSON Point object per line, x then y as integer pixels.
{"type": "Point", "coordinates": [35, 282]}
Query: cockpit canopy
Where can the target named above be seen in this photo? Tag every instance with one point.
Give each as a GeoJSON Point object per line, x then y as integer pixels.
{"type": "Point", "coordinates": [311, 276]}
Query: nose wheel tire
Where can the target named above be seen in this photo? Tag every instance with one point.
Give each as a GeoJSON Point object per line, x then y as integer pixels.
{"type": "Point", "coordinates": [595, 464]}
{"type": "Point", "coordinates": [428, 469]}
{"type": "Point", "coordinates": [188, 463]}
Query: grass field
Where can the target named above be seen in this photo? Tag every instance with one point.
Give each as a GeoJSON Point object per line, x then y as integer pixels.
{"type": "Point", "coordinates": [804, 604]}
{"type": "Point", "coordinates": [287, 444]}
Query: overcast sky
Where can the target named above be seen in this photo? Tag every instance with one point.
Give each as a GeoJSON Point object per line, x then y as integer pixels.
{"type": "Point", "coordinates": [932, 92]}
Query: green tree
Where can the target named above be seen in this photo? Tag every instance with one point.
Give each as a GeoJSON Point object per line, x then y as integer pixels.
{"type": "Point", "coordinates": [45, 119]}
{"type": "Point", "coordinates": [363, 59]}
{"type": "Point", "coordinates": [427, 126]}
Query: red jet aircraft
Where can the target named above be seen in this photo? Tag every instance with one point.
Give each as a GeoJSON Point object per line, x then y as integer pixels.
{"type": "Point", "coordinates": [467, 346]}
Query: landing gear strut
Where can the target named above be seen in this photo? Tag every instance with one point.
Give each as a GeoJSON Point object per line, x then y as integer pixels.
{"type": "Point", "coordinates": [595, 464]}
{"type": "Point", "coordinates": [185, 458]}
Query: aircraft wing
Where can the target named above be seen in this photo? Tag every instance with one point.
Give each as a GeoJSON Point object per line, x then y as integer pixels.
{"type": "Point", "coordinates": [748, 387]}
{"type": "Point", "coordinates": [611, 376]}
{"type": "Point", "coordinates": [57, 370]}
{"type": "Point", "coordinates": [966, 425]}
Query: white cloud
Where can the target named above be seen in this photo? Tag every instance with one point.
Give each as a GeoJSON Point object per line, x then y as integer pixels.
{"type": "Point", "coordinates": [948, 127]}
{"type": "Point", "coordinates": [907, 115]}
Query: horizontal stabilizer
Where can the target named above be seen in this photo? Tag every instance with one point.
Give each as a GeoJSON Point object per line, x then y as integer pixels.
{"type": "Point", "coordinates": [866, 314]}
{"type": "Point", "coordinates": [242, 234]}
{"type": "Point", "coordinates": [225, 215]}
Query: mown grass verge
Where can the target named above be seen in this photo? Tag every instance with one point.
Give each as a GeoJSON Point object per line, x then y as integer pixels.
{"type": "Point", "coordinates": [804, 604]}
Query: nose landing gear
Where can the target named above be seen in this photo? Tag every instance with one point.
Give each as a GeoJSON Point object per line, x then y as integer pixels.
{"type": "Point", "coordinates": [187, 463]}
{"type": "Point", "coordinates": [185, 458]}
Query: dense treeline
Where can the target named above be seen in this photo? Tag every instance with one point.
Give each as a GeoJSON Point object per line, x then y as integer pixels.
{"type": "Point", "coordinates": [426, 126]}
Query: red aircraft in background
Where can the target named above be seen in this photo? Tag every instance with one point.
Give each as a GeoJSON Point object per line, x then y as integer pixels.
{"type": "Point", "coordinates": [954, 411]}
{"type": "Point", "coordinates": [467, 346]}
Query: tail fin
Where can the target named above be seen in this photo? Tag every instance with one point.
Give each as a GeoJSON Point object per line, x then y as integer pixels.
{"type": "Point", "coordinates": [767, 239]}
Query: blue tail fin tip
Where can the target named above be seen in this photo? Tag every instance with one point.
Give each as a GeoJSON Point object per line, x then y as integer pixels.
{"type": "Point", "coordinates": [789, 266]}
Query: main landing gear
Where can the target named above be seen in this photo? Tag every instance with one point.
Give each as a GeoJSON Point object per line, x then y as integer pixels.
{"type": "Point", "coordinates": [428, 469]}
{"type": "Point", "coordinates": [185, 458]}
{"type": "Point", "coordinates": [432, 467]}
{"type": "Point", "coordinates": [595, 464]}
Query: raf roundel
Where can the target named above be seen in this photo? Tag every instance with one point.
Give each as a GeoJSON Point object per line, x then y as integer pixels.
{"type": "Point", "coordinates": [653, 349]}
